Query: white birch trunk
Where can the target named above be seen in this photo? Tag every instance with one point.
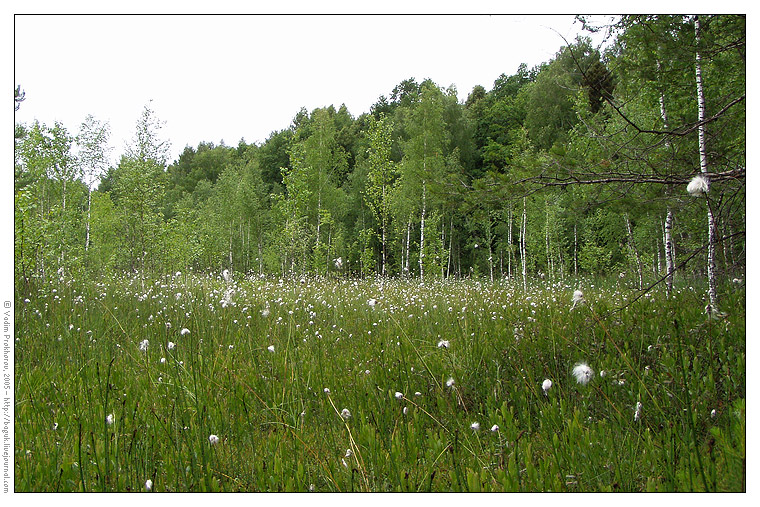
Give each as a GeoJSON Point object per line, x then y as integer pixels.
{"type": "Point", "coordinates": [669, 257]}
{"type": "Point", "coordinates": [408, 234]}
{"type": "Point", "coordinates": [422, 231]}
{"type": "Point", "coordinates": [668, 237]}
{"type": "Point", "coordinates": [711, 275]}
{"type": "Point", "coordinates": [632, 245]}
{"type": "Point", "coordinates": [509, 242]}
{"type": "Point", "coordinates": [524, 250]}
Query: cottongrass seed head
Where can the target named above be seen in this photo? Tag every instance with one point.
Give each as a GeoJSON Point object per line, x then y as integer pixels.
{"type": "Point", "coordinates": [345, 414]}
{"type": "Point", "coordinates": [148, 485]}
{"type": "Point", "coordinates": [583, 373]}
{"type": "Point", "coordinates": [213, 439]}
{"type": "Point", "coordinates": [144, 345]}
{"type": "Point", "coordinates": [475, 426]}
{"type": "Point", "coordinates": [577, 298]}
{"type": "Point", "coordinates": [546, 385]}
{"type": "Point", "coordinates": [698, 186]}
{"type": "Point", "coordinates": [637, 413]}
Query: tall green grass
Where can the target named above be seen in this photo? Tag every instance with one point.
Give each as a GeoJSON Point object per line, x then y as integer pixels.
{"type": "Point", "coordinates": [78, 361]}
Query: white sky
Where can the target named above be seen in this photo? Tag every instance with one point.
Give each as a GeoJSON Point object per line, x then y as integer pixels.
{"type": "Point", "coordinates": [213, 78]}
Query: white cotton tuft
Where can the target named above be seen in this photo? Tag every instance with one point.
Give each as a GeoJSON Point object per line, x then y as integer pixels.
{"type": "Point", "coordinates": [583, 373]}
{"type": "Point", "coordinates": [698, 186]}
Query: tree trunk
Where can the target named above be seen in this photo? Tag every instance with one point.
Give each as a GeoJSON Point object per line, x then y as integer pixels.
{"type": "Point", "coordinates": [422, 232]}
{"type": "Point", "coordinates": [546, 239]}
{"type": "Point", "coordinates": [575, 249]}
{"type": "Point", "coordinates": [711, 275]}
{"type": "Point", "coordinates": [668, 237]}
{"type": "Point", "coordinates": [509, 242]}
{"type": "Point", "coordinates": [87, 228]}
{"type": "Point", "coordinates": [523, 249]}
{"type": "Point", "coordinates": [451, 246]}
{"type": "Point", "coordinates": [632, 245]}
{"type": "Point", "coordinates": [408, 234]}
{"type": "Point", "coordinates": [669, 258]}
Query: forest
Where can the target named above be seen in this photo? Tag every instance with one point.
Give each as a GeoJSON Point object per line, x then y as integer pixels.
{"type": "Point", "coordinates": [578, 166]}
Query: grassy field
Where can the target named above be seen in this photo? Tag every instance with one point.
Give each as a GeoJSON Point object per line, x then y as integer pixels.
{"type": "Point", "coordinates": [197, 383]}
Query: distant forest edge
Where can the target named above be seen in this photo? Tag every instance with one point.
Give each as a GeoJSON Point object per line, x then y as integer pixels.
{"type": "Point", "coordinates": [576, 167]}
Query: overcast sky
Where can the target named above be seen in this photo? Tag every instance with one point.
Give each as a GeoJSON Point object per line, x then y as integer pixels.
{"type": "Point", "coordinates": [214, 78]}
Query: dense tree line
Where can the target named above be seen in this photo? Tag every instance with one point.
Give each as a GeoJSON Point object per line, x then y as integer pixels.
{"type": "Point", "coordinates": [577, 166]}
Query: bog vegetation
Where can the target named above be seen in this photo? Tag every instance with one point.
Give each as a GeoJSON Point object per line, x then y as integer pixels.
{"type": "Point", "coordinates": [537, 288]}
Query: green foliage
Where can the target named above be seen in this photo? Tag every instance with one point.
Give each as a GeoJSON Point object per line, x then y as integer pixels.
{"type": "Point", "coordinates": [587, 141]}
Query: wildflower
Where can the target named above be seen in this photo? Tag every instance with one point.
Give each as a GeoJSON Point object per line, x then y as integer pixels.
{"type": "Point", "coordinates": [583, 373]}
{"type": "Point", "coordinates": [495, 428]}
{"type": "Point", "coordinates": [443, 344]}
{"type": "Point", "coordinates": [163, 360]}
{"type": "Point", "coordinates": [349, 453]}
{"type": "Point", "coordinates": [698, 185]}
{"type": "Point", "coordinates": [226, 275]}
{"type": "Point", "coordinates": [327, 390]}
{"type": "Point", "coordinates": [265, 312]}
{"type": "Point", "coordinates": [450, 382]}
{"type": "Point", "coordinates": [184, 331]}
{"type": "Point", "coordinates": [270, 348]}
{"type": "Point", "coordinates": [213, 439]}
{"type": "Point", "coordinates": [148, 485]}
{"type": "Point", "coordinates": [345, 414]}
{"type": "Point", "coordinates": [475, 426]}
{"type": "Point", "coordinates": [372, 302]}
{"type": "Point", "coordinates": [398, 395]}
{"type": "Point", "coordinates": [713, 414]}
{"type": "Point", "coordinates": [577, 298]}
{"type": "Point", "coordinates": [144, 345]}
{"type": "Point", "coordinates": [637, 413]}
{"type": "Point", "coordinates": [547, 384]}
{"type": "Point", "coordinates": [109, 419]}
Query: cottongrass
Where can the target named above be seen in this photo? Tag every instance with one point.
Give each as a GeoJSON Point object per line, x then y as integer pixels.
{"type": "Point", "coordinates": [583, 373]}
{"type": "Point", "coordinates": [698, 186]}
{"type": "Point", "coordinates": [577, 298]}
{"type": "Point", "coordinates": [637, 412]}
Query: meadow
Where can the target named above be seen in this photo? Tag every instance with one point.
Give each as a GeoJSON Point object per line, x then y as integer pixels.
{"type": "Point", "coordinates": [199, 382]}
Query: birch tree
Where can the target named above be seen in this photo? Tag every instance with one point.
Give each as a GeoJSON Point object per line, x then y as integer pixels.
{"type": "Point", "coordinates": [93, 159]}
{"type": "Point", "coordinates": [424, 157]}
